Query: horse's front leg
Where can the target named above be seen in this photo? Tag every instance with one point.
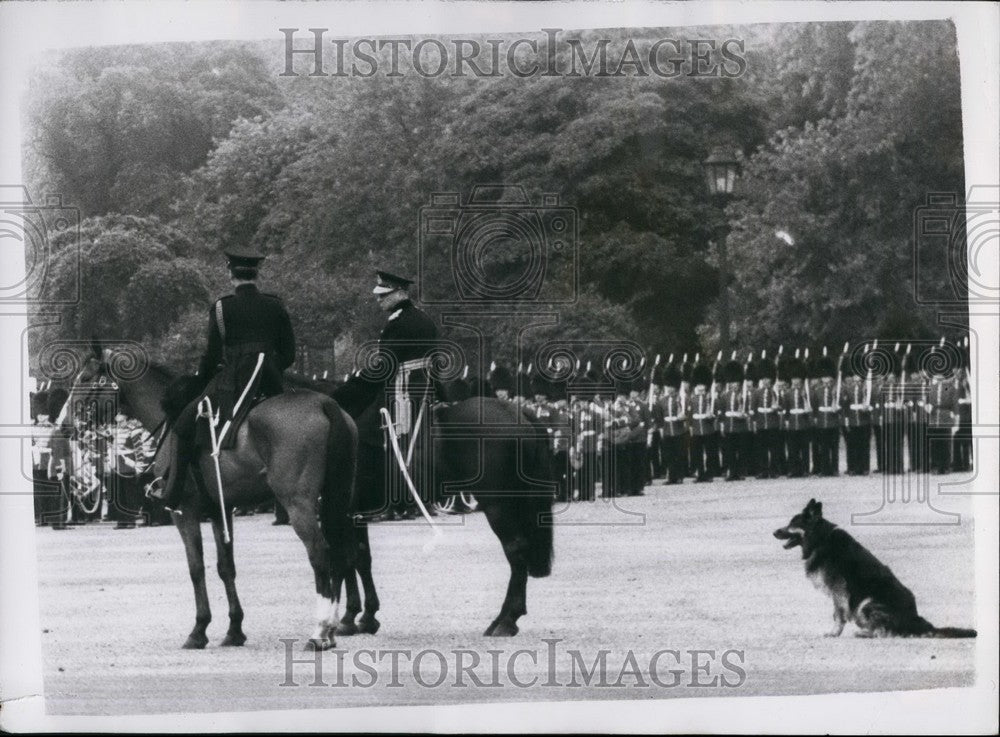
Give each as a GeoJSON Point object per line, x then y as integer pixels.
{"type": "Point", "coordinates": [188, 524]}
{"type": "Point", "coordinates": [227, 572]}
{"type": "Point", "coordinates": [353, 606]}
{"type": "Point", "coordinates": [514, 603]}
{"type": "Point", "coordinates": [515, 547]}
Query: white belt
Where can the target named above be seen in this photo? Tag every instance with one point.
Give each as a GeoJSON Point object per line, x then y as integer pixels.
{"type": "Point", "coordinates": [858, 407]}
{"type": "Point", "coordinates": [798, 411]}
{"type": "Point", "coordinates": [735, 414]}
{"type": "Point", "coordinates": [829, 409]}
{"type": "Point", "coordinates": [703, 417]}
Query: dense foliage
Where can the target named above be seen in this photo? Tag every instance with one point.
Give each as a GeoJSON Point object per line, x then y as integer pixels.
{"type": "Point", "coordinates": [174, 152]}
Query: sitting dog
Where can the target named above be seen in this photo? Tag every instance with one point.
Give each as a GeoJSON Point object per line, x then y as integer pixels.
{"type": "Point", "coordinates": [863, 589]}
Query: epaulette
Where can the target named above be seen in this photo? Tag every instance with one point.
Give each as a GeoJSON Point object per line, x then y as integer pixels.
{"type": "Point", "coordinates": [396, 314]}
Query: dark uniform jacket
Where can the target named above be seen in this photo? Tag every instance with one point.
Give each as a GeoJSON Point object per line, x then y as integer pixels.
{"type": "Point", "coordinates": [253, 323]}
{"type": "Point", "coordinates": [796, 409]}
{"type": "Point", "coordinates": [733, 406]}
{"type": "Point", "coordinates": [854, 403]}
{"type": "Point", "coordinates": [674, 414]}
{"type": "Point", "coordinates": [825, 404]}
{"type": "Point", "coordinates": [766, 409]}
{"type": "Point", "coordinates": [408, 334]}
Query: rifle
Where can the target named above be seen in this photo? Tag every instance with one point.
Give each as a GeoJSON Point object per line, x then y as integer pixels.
{"type": "Point", "coordinates": [652, 372]}
{"type": "Point", "coordinates": [712, 389]}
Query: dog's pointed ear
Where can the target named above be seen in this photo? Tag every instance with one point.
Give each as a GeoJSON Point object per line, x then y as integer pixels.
{"type": "Point", "coordinates": [814, 508]}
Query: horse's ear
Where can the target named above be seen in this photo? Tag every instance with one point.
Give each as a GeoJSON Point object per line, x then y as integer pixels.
{"type": "Point", "coordinates": [106, 355]}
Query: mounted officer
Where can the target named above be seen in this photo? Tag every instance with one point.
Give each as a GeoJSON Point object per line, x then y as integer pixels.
{"type": "Point", "coordinates": [250, 344]}
{"type": "Point", "coordinates": [407, 339]}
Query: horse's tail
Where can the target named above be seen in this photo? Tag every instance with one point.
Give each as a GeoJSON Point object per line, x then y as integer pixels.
{"type": "Point", "coordinates": [539, 509]}
{"type": "Point", "coordinates": [337, 501]}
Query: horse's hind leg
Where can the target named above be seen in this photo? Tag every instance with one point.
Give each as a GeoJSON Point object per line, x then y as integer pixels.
{"type": "Point", "coordinates": [227, 572]}
{"type": "Point", "coordinates": [303, 520]}
{"type": "Point", "coordinates": [367, 624]}
{"type": "Point", "coordinates": [188, 524]}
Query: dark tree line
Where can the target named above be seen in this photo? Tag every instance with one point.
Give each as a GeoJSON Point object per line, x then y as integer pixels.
{"type": "Point", "coordinates": [174, 152]}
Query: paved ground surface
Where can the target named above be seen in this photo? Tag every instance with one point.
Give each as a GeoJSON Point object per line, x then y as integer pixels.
{"type": "Point", "coordinates": [700, 571]}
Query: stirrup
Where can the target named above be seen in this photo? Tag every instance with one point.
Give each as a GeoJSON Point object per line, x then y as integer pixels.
{"type": "Point", "coordinates": [156, 488]}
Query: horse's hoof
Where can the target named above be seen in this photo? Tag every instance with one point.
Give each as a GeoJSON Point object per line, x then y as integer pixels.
{"type": "Point", "coordinates": [503, 628]}
{"type": "Point", "coordinates": [233, 639]}
{"type": "Point", "coordinates": [346, 629]}
{"type": "Point", "coordinates": [314, 645]}
{"type": "Point", "coordinates": [195, 643]}
{"type": "Point", "coordinates": [369, 626]}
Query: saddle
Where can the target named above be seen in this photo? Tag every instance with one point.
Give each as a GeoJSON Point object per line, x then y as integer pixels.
{"type": "Point", "coordinates": [239, 386]}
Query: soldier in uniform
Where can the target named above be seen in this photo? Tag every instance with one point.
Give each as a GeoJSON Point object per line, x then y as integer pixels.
{"type": "Point", "coordinates": [857, 410]}
{"type": "Point", "coordinates": [826, 419]}
{"type": "Point", "coordinates": [704, 437]}
{"type": "Point", "coordinates": [750, 378]}
{"type": "Point", "coordinates": [942, 411]}
{"type": "Point", "coordinates": [241, 327]}
{"type": "Point", "coordinates": [962, 450]}
{"type": "Point", "coordinates": [640, 421]}
{"type": "Point", "coordinates": [587, 419]}
{"type": "Point", "coordinates": [41, 452]}
{"type": "Point", "coordinates": [408, 337]}
{"type": "Point", "coordinates": [781, 384]}
{"type": "Point", "coordinates": [798, 424]}
{"type": "Point", "coordinates": [733, 406]}
{"type": "Point", "coordinates": [673, 431]}
{"type": "Point", "coordinates": [561, 423]}
{"type": "Point", "coordinates": [765, 409]}
{"type": "Point", "coordinates": [501, 382]}
{"type": "Point", "coordinates": [916, 414]}
{"type": "Point", "coordinates": [890, 419]}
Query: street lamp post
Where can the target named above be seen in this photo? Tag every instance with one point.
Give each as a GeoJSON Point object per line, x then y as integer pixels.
{"type": "Point", "coordinates": [721, 171]}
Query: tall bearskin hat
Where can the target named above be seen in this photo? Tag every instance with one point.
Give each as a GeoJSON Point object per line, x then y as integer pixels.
{"type": "Point", "coordinates": [797, 368]}
{"type": "Point", "coordinates": [701, 374]}
{"type": "Point", "coordinates": [57, 398]}
{"type": "Point", "coordinates": [500, 377]}
{"type": "Point", "coordinates": [910, 363]}
{"type": "Point", "coordinates": [540, 385]}
{"type": "Point", "coordinates": [671, 374]}
{"type": "Point", "coordinates": [764, 368]}
{"type": "Point", "coordinates": [733, 370]}
{"type": "Point", "coordinates": [824, 366]}
{"type": "Point", "coordinates": [687, 368]}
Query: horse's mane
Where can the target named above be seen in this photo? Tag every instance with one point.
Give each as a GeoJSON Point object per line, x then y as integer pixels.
{"type": "Point", "coordinates": [179, 393]}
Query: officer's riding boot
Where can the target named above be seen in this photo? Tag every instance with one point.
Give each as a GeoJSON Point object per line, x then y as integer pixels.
{"type": "Point", "coordinates": [184, 452]}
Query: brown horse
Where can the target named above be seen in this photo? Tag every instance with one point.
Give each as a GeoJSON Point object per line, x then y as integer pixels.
{"type": "Point", "coordinates": [298, 447]}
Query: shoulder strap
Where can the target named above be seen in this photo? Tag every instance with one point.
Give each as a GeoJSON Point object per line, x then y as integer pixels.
{"type": "Point", "coordinates": [221, 324]}
{"type": "Point", "coordinates": [220, 321]}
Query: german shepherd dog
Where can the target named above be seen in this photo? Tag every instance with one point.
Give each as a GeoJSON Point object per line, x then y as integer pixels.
{"type": "Point", "coordinates": [863, 589]}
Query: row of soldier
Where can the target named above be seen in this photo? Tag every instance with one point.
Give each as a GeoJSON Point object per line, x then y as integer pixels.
{"type": "Point", "coordinates": [104, 479]}
{"type": "Point", "coordinates": [762, 417]}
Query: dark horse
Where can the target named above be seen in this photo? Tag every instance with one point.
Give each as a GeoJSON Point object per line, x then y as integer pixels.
{"type": "Point", "coordinates": [490, 448]}
{"type": "Point", "coordinates": [299, 447]}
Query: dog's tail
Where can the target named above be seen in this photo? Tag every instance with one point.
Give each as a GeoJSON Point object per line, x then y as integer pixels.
{"type": "Point", "coordinates": [923, 628]}
{"type": "Point", "coordinates": [951, 632]}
